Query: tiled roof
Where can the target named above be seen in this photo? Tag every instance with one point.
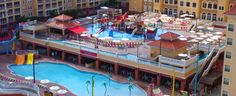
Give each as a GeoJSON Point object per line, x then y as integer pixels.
{"type": "Point", "coordinates": [169, 36]}
{"type": "Point", "coordinates": [171, 45]}
{"type": "Point", "coordinates": [63, 17]}
{"type": "Point", "coordinates": [232, 11]}
{"type": "Point", "coordinates": [62, 25]}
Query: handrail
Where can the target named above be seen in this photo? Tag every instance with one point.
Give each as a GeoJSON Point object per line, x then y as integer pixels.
{"type": "Point", "coordinates": [204, 63]}
{"type": "Point", "coordinates": [16, 84]}
{"type": "Point", "coordinates": [213, 60]}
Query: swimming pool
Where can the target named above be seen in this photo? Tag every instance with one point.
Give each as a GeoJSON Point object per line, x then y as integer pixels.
{"type": "Point", "coordinates": [94, 28]}
{"type": "Point", "coordinates": [75, 80]}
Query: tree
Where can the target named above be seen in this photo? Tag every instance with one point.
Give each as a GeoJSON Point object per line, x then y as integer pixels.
{"type": "Point", "coordinates": [87, 83]}
{"type": "Point", "coordinates": [130, 87]}
{"type": "Point", "coordinates": [110, 76]}
{"type": "Point", "coordinates": [111, 3]}
{"type": "Point", "coordinates": [53, 13]}
{"type": "Point", "coordinates": [105, 86]}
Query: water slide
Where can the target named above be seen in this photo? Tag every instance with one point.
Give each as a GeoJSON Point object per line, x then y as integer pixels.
{"type": "Point", "coordinates": [100, 30]}
{"type": "Point", "coordinates": [30, 58]}
{"type": "Point", "coordinates": [20, 59]}
{"type": "Point", "coordinates": [134, 31]}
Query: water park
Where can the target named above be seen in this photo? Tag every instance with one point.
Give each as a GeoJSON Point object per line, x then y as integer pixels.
{"type": "Point", "coordinates": [114, 53]}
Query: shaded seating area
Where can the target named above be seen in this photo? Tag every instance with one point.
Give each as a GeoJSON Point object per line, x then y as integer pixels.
{"type": "Point", "coordinates": [58, 26]}
{"type": "Point", "coordinates": [169, 46]}
{"type": "Point", "coordinates": [211, 80]}
{"type": "Point", "coordinates": [126, 72]}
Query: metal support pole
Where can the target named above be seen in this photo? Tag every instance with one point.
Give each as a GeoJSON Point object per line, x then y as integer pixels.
{"type": "Point", "coordinates": [34, 70]}
{"type": "Point", "coordinates": [196, 79]}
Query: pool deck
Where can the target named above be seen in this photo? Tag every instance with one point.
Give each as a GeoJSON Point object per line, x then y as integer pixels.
{"type": "Point", "coordinates": [11, 60]}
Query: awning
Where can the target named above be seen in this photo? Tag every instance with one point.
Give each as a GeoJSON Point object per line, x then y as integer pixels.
{"type": "Point", "coordinates": [78, 29]}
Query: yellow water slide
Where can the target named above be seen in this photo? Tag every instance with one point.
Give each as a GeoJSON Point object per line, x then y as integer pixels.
{"type": "Point", "coordinates": [20, 59]}
{"type": "Point", "coordinates": [30, 58]}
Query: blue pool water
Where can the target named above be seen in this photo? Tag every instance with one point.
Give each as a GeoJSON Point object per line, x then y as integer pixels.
{"type": "Point", "coordinates": [75, 80]}
{"type": "Point", "coordinates": [94, 28]}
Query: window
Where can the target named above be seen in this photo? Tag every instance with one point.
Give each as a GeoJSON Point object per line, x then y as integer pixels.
{"type": "Point", "coordinates": [176, 2]}
{"type": "Point", "coordinates": [209, 5]}
{"type": "Point", "coordinates": [166, 1]}
{"type": "Point", "coordinates": [181, 3]}
{"type": "Point", "coordinates": [227, 68]}
{"type": "Point", "coordinates": [209, 16]}
{"type": "Point", "coordinates": [188, 4]}
{"type": "Point", "coordinates": [170, 11]}
{"type": "Point", "coordinates": [156, 1]}
{"type": "Point", "coordinates": [228, 55]}
{"type": "Point", "coordinates": [214, 17]}
{"type": "Point", "coordinates": [226, 81]}
{"type": "Point", "coordinates": [204, 5]}
{"type": "Point", "coordinates": [215, 6]}
{"type": "Point", "coordinates": [194, 5]}
{"type": "Point", "coordinates": [231, 27]}
{"type": "Point", "coordinates": [224, 93]}
{"type": "Point", "coordinates": [171, 2]}
{"type": "Point", "coordinates": [229, 41]}
{"type": "Point", "coordinates": [203, 15]}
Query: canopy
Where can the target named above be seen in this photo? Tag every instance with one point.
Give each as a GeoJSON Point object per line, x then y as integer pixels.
{"type": "Point", "coordinates": [78, 29]}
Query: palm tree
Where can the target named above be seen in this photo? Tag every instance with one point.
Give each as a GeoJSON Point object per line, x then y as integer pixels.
{"type": "Point", "coordinates": [110, 76]}
{"type": "Point", "coordinates": [130, 79]}
{"type": "Point", "coordinates": [88, 83]}
{"type": "Point", "coordinates": [130, 87]}
{"type": "Point", "coordinates": [105, 85]}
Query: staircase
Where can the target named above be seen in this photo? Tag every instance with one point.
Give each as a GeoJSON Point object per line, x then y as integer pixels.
{"type": "Point", "coordinates": [207, 60]}
{"type": "Point", "coordinates": [208, 65]}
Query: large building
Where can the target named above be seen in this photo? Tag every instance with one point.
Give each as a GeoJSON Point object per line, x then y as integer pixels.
{"type": "Point", "coordinates": [12, 9]}
{"type": "Point", "coordinates": [202, 9]}
{"type": "Point", "coordinates": [228, 78]}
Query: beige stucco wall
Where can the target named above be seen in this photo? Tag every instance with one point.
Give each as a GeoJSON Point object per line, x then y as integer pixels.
{"type": "Point", "coordinates": [231, 88]}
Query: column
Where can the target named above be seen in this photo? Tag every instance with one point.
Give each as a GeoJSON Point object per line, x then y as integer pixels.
{"type": "Point", "coordinates": [79, 59]}
{"type": "Point", "coordinates": [33, 45]}
{"type": "Point", "coordinates": [183, 85]}
{"type": "Point", "coordinates": [158, 80]}
{"type": "Point", "coordinates": [63, 55]}
{"type": "Point", "coordinates": [116, 68]}
{"type": "Point", "coordinates": [97, 64]}
{"type": "Point", "coordinates": [48, 51]}
{"type": "Point", "coordinates": [136, 74]}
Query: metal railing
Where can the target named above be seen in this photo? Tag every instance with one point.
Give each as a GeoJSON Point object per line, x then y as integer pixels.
{"type": "Point", "coordinates": [11, 83]}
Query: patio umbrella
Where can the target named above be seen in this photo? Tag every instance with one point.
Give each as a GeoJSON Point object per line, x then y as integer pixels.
{"type": "Point", "coordinates": [62, 91]}
{"type": "Point", "coordinates": [84, 35]}
{"type": "Point", "coordinates": [108, 37]}
{"type": "Point", "coordinates": [200, 27]}
{"type": "Point", "coordinates": [203, 36]}
{"type": "Point", "coordinates": [29, 78]}
{"type": "Point", "coordinates": [192, 31]}
{"type": "Point", "coordinates": [101, 38]}
{"type": "Point", "coordinates": [95, 35]}
{"type": "Point", "coordinates": [209, 34]}
{"type": "Point", "coordinates": [193, 36]}
{"type": "Point", "coordinates": [199, 33]}
{"type": "Point", "coordinates": [199, 38]}
{"type": "Point", "coordinates": [210, 28]}
{"type": "Point", "coordinates": [44, 81]}
{"type": "Point", "coordinates": [54, 88]}
{"type": "Point", "coordinates": [116, 41]}
{"type": "Point", "coordinates": [125, 39]}
{"type": "Point", "coordinates": [205, 42]}
{"type": "Point", "coordinates": [219, 33]}
{"type": "Point", "coordinates": [182, 55]}
{"type": "Point", "coordinates": [187, 18]}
